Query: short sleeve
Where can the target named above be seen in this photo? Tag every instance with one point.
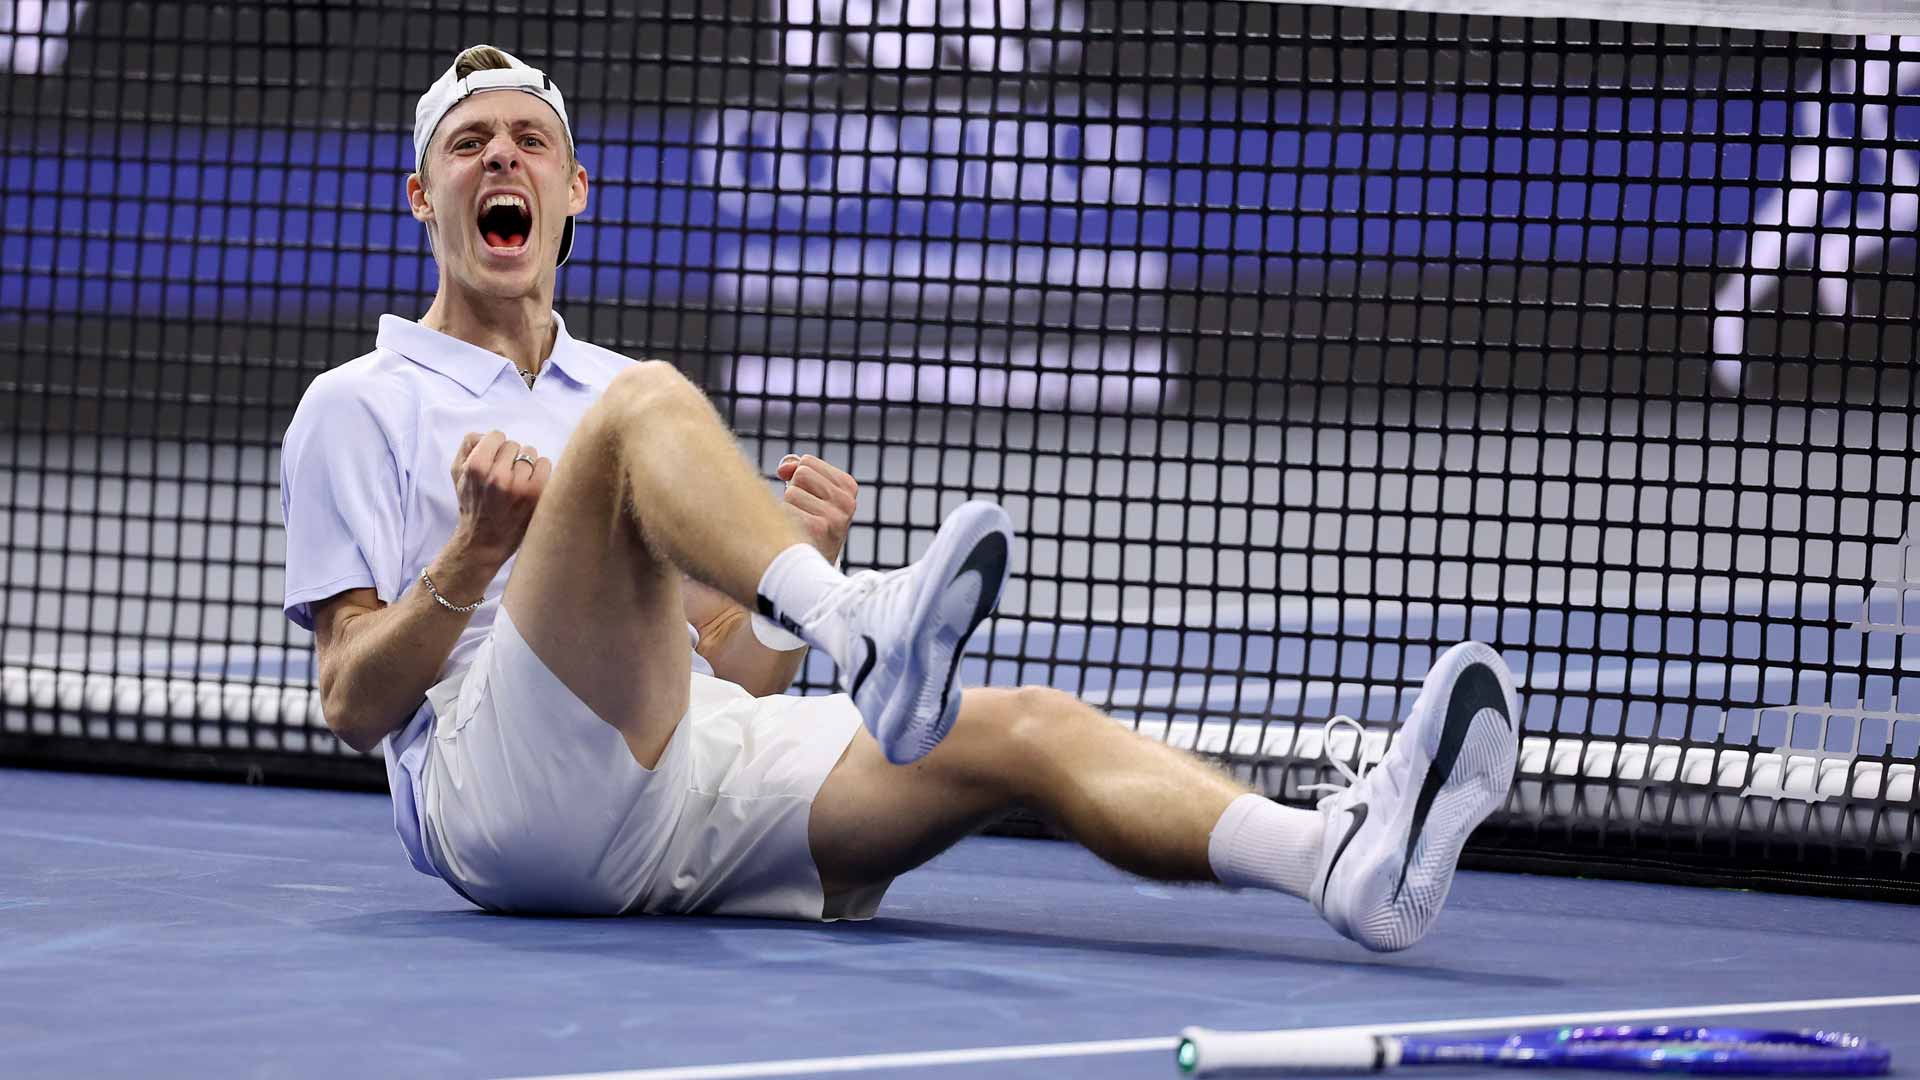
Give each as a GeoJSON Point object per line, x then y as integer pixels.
{"type": "Point", "coordinates": [341, 495]}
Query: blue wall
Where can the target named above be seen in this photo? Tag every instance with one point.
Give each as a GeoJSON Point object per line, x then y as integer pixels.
{"type": "Point", "coordinates": [171, 219]}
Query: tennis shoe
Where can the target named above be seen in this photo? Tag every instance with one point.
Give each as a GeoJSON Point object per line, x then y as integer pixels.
{"type": "Point", "coordinates": [897, 636]}
{"type": "Point", "coordinates": [1393, 834]}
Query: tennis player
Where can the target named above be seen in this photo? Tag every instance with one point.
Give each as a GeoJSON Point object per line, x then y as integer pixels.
{"type": "Point", "coordinates": [574, 665]}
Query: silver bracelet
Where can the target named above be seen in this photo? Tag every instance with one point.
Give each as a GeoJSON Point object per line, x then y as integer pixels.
{"type": "Point", "coordinates": [459, 609]}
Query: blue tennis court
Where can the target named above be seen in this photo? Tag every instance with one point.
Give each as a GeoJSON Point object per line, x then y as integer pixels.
{"type": "Point", "coordinates": [174, 929]}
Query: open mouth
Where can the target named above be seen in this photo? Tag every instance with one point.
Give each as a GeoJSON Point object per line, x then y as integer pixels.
{"type": "Point", "coordinates": [505, 221]}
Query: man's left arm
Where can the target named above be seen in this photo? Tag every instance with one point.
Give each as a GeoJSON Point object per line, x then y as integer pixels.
{"type": "Point", "coordinates": [821, 497]}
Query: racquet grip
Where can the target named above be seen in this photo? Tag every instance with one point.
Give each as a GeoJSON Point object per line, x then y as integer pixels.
{"type": "Point", "coordinates": [1204, 1052]}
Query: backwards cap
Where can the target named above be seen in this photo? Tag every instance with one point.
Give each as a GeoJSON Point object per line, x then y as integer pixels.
{"type": "Point", "coordinates": [449, 91]}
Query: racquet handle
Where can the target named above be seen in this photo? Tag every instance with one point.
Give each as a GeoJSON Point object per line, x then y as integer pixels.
{"type": "Point", "coordinates": [1205, 1052]}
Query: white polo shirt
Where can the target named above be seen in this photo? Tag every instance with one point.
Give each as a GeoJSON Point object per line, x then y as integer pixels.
{"type": "Point", "coordinates": [366, 485]}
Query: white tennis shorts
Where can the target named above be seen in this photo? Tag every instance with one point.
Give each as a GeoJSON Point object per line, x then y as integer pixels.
{"type": "Point", "coordinates": [533, 804]}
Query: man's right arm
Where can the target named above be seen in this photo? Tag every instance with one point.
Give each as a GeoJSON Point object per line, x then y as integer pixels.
{"type": "Point", "coordinates": [377, 660]}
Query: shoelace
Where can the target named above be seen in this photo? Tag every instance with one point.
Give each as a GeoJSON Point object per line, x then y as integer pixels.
{"type": "Point", "coordinates": [859, 587]}
{"type": "Point", "coordinates": [1352, 773]}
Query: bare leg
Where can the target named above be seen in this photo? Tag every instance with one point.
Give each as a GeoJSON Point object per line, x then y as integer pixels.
{"type": "Point", "coordinates": [693, 494]}
{"type": "Point", "coordinates": [1157, 812]}
{"type": "Point", "coordinates": [650, 485]}
{"type": "Point", "coordinates": [1136, 803]}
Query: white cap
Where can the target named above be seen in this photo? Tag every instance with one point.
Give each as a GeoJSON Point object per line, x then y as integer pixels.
{"type": "Point", "coordinates": [448, 91]}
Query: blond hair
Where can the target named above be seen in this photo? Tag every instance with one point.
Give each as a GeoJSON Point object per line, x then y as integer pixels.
{"type": "Point", "coordinates": [479, 58]}
{"type": "Point", "coordinates": [485, 58]}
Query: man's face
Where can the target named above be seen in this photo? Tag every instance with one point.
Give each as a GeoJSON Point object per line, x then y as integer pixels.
{"type": "Point", "coordinates": [499, 185]}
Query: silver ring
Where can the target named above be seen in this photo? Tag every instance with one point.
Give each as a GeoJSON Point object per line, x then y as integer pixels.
{"type": "Point", "coordinates": [518, 458]}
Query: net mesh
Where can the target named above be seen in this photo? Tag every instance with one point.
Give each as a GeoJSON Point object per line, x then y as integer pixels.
{"type": "Point", "coordinates": [1300, 342]}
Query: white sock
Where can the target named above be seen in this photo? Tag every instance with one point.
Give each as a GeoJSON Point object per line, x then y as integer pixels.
{"type": "Point", "coordinates": [794, 584]}
{"type": "Point", "coordinates": [1260, 844]}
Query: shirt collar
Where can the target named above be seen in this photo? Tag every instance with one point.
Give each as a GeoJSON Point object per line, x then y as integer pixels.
{"type": "Point", "coordinates": [468, 364]}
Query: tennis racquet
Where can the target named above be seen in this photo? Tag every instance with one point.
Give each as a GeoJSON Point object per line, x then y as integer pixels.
{"type": "Point", "coordinates": [1718, 1050]}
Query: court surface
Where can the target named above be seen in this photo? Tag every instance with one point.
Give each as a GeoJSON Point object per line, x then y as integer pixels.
{"type": "Point", "coordinates": [174, 929]}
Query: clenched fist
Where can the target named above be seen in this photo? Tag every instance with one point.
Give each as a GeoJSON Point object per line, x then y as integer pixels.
{"type": "Point", "coordinates": [822, 497]}
{"type": "Point", "coordinates": [498, 482]}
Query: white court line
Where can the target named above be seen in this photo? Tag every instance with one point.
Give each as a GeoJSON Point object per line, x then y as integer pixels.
{"type": "Point", "coordinates": [161, 849]}
{"type": "Point", "coordinates": [926, 1058]}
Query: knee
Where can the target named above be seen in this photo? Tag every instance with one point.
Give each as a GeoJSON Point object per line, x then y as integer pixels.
{"type": "Point", "coordinates": [1032, 719]}
{"type": "Point", "coordinates": [654, 389]}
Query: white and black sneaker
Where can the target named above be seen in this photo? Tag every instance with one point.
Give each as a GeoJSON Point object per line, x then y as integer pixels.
{"type": "Point", "coordinates": [1393, 835]}
{"type": "Point", "coordinates": [897, 636]}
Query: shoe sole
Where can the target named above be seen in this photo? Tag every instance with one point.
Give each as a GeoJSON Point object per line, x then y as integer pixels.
{"type": "Point", "coordinates": [1463, 769]}
{"type": "Point", "coordinates": [970, 555]}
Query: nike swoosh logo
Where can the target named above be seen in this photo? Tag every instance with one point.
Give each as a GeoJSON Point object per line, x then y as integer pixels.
{"type": "Point", "coordinates": [988, 559]}
{"type": "Point", "coordinates": [866, 666]}
{"type": "Point", "coordinates": [1476, 688]}
{"type": "Point", "coordinates": [1359, 817]}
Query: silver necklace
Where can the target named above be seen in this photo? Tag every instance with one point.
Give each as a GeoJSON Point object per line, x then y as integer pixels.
{"type": "Point", "coordinates": [529, 376]}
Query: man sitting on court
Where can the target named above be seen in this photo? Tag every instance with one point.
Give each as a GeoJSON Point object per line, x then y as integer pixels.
{"type": "Point", "coordinates": [575, 666]}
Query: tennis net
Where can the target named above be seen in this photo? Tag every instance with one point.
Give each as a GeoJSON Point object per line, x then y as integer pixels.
{"type": "Point", "coordinates": [1300, 341]}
